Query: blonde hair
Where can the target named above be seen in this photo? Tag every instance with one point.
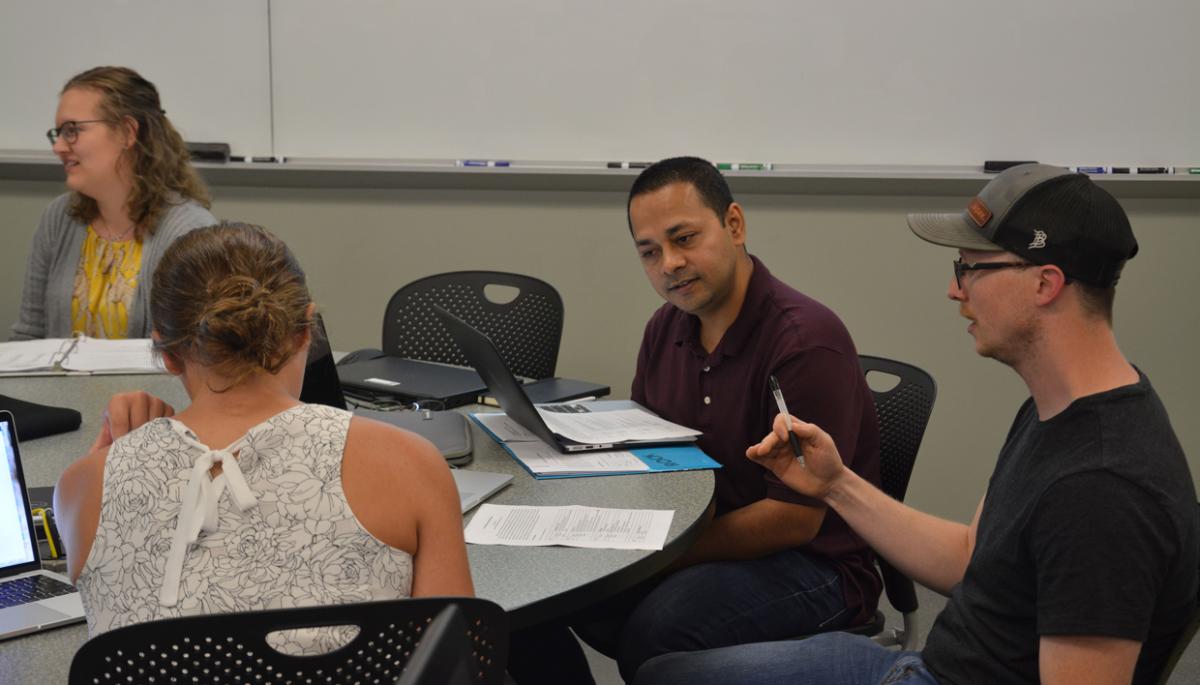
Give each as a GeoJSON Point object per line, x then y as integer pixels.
{"type": "Point", "coordinates": [161, 166]}
{"type": "Point", "coordinates": [232, 298]}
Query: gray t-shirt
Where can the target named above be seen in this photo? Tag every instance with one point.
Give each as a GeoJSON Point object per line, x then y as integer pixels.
{"type": "Point", "coordinates": [50, 275]}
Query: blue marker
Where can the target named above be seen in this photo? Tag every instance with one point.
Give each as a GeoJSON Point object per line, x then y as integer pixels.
{"type": "Point", "coordinates": [1091, 169]}
{"type": "Point", "coordinates": [484, 162]}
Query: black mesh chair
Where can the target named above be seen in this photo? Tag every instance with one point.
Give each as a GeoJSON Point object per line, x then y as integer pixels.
{"type": "Point", "coordinates": [233, 648]}
{"type": "Point", "coordinates": [527, 329]}
{"type": "Point", "coordinates": [443, 657]}
{"type": "Point", "coordinates": [903, 412]}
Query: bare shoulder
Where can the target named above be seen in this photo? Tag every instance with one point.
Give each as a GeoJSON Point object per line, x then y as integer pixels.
{"type": "Point", "coordinates": [395, 481]}
{"type": "Point", "coordinates": [389, 448]}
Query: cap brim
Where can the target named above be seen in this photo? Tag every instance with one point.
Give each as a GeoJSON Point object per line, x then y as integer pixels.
{"type": "Point", "coordinates": [951, 230]}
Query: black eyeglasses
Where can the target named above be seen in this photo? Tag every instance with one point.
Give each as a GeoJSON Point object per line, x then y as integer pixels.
{"type": "Point", "coordinates": [69, 131]}
{"type": "Point", "coordinates": [961, 267]}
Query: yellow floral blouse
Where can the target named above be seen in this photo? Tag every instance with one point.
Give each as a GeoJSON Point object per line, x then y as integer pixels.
{"type": "Point", "coordinates": [105, 282]}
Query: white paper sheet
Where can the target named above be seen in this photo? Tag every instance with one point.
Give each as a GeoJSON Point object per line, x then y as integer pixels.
{"type": "Point", "coordinates": [92, 354]}
{"type": "Point", "coordinates": [543, 459]}
{"type": "Point", "coordinates": [571, 526]}
{"type": "Point", "coordinates": [616, 426]}
{"type": "Point", "coordinates": [504, 428]}
{"type": "Point", "coordinates": [81, 354]}
{"type": "Point", "coordinates": [31, 355]}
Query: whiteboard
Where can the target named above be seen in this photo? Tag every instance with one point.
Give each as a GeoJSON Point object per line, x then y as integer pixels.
{"type": "Point", "coordinates": [209, 60]}
{"type": "Point", "coordinates": [785, 81]}
{"type": "Point", "coordinates": [864, 82]}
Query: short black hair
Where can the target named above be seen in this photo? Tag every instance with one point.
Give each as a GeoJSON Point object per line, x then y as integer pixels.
{"type": "Point", "coordinates": [701, 174]}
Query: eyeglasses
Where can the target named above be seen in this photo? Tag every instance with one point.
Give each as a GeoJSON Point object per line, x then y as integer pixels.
{"type": "Point", "coordinates": [69, 131]}
{"type": "Point", "coordinates": [961, 267]}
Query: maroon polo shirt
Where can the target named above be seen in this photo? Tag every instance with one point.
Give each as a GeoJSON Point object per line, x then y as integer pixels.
{"type": "Point", "coordinates": [725, 395]}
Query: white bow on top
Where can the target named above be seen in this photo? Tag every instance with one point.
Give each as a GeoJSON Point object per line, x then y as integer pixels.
{"type": "Point", "coordinates": [201, 504]}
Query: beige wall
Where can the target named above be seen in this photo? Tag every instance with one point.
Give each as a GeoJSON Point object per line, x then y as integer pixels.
{"type": "Point", "coordinates": [852, 252]}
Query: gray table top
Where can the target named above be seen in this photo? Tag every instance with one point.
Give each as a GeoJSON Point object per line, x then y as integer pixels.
{"type": "Point", "coordinates": [534, 584]}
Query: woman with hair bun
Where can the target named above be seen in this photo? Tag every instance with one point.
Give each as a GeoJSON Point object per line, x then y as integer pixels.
{"type": "Point", "coordinates": [249, 499]}
{"type": "Point", "coordinates": [133, 191]}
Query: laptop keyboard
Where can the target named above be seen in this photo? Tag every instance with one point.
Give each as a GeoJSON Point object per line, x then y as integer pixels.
{"type": "Point", "coordinates": [31, 589]}
{"type": "Point", "coordinates": [577, 408]}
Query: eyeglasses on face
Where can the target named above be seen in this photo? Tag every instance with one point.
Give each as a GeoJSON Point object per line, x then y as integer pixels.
{"type": "Point", "coordinates": [961, 267]}
{"type": "Point", "coordinates": [69, 131]}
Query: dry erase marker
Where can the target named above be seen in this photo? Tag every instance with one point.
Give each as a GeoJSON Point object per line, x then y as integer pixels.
{"type": "Point", "coordinates": [484, 162]}
{"type": "Point", "coordinates": [1156, 170]}
{"type": "Point", "coordinates": [787, 418]}
{"type": "Point", "coordinates": [1091, 169]}
{"type": "Point", "coordinates": [1194, 170]}
{"type": "Point", "coordinates": [745, 166]}
{"type": "Point", "coordinates": [628, 165]}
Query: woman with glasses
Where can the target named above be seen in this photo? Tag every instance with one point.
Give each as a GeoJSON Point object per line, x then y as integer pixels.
{"type": "Point", "coordinates": [133, 191]}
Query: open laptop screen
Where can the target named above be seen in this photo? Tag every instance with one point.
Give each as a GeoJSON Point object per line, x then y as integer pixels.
{"type": "Point", "coordinates": [16, 529]}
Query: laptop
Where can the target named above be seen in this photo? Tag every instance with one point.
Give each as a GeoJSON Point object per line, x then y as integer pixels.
{"type": "Point", "coordinates": [413, 380]}
{"type": "Point", "coordinates": [486, 359]}
{"type": "Point", "coordinates": [321, 385]}
{"type": "Point", "coordinates": [30, 599]}
{"type": "Point", "coordinates": [476, 486]}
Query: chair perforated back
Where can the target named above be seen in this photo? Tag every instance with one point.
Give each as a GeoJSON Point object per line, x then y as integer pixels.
{"type": "Point", "coordinates": [527, 330]}
{"type": "Point", "coordinates": [233, 648]}
{"type": "Point", "coordinates": [903, 413]}
{"type": "Point", "coordinates": [443, 657]}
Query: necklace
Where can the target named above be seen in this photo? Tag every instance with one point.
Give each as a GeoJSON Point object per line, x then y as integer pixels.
{"type": "Point", "coordinates": [119, 237]}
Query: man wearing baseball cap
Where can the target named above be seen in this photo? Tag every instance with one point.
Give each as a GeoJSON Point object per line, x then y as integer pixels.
{"type": "Point", "coordinates": [1081, 562]}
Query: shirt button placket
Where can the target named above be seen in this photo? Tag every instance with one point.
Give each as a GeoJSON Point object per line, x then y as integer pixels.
{"type": "Point", "coordinates": [704, 384]}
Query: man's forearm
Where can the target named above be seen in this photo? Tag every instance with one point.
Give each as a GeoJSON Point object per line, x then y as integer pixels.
{"type": "Point", "coordinates": [930, 550]}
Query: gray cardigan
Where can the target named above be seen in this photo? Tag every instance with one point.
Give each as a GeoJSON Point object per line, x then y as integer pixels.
{"type": "Point", "coordinates": [50, 275]}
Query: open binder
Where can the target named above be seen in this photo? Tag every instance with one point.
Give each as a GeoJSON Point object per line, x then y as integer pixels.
{"type": "Point", "coordinates": [80, 354]}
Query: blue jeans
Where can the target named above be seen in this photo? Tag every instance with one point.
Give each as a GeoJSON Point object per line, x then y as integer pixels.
{"type": "Point", "coordinates": [717, 604]}
{"type": "Point", "coordinates": [829, 659]}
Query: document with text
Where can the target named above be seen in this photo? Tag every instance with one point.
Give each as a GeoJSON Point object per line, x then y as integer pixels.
{"type": "Point", "coordinates": [570, 526]}
{"type": "Point", "coordinates": [617, 426]}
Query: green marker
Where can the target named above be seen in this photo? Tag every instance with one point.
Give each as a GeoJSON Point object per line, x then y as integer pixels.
{"type": "Point", "coordinates": [745, 166]}
{"type": "Point", "coordinates": [1194, 170]}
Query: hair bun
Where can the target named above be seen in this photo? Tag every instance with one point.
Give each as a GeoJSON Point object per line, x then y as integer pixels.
{"type": "Point", "coordinates": [247, 323]}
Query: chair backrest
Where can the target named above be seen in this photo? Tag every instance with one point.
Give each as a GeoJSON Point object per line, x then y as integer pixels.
{"type": "Point", "coordinates": [903, 412]}
{"type": "Point", "coordinates": [233, 648]}
{"type": "Point", "coordinates": [443, 657]}
{"type": "Point", "coordinates": [527, 329]}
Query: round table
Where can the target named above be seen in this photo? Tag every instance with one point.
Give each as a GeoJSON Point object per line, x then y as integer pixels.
{"type": "Point", "coordinates": [534, 584]}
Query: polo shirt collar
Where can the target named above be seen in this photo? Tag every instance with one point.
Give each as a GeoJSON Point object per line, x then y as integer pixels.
{"type": "Point", "coordinates": [758, 292]}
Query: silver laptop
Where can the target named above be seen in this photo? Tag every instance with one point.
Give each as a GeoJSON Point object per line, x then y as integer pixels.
{"type": "Point", "coordinates": [476, 486]}
{"type": "Point", "coordinates": [30, 599]}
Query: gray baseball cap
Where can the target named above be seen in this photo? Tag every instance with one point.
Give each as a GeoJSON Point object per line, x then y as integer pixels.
{"type": "Point", "coordinates": [1045, 214]}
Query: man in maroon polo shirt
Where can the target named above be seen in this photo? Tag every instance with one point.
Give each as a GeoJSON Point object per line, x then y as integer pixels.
{"type": "Point", "coordinates": [771, 563]}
